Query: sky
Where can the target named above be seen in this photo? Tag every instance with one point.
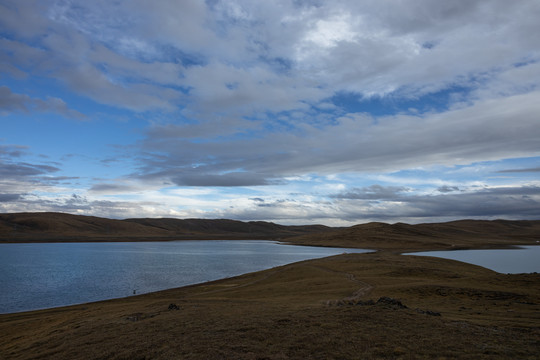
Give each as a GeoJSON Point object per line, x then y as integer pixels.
{"type": "Point", "coordinates": [291, 111]}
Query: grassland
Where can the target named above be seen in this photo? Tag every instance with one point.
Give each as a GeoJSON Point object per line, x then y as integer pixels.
{"type": "Point", "coordinates": [319, 309]}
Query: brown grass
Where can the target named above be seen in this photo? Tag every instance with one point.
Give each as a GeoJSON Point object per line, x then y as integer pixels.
{"type": "Point", "coordinates": [315, 309]}
{"type": "Point", "coordinates": [463, 234]}
{"type": "Point", "coordinates": [318, 309]}
{"type": "Point", "coordinates": [59, 227]}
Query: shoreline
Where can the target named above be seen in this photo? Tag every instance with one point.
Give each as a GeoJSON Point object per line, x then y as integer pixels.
{"type": "Point", "coordinates": [227, 251]}
{"type": "Point", "coordinates": [373, 305]}
{"type": "Point", "coordinates": [227, 278]}
{"type": "Point", "coordinates": [290, 309]}
{"type": "Point", "coordinates": [380, 251]}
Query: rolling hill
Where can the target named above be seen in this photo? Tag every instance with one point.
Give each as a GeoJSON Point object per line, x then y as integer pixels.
{"type": "Point", "coordinates": [462, 234]}
{"type": "Point", "coordinates": [454, 235]}
{"type": "Point", "coordinates": [46, 226]}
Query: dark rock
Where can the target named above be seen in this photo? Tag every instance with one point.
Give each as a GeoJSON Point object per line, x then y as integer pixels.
{"type": "Point", "coordinates": [174, 307]}
{"type": "Point", "coordinates": [365, 303]}
{"type": "Point", "coordinates": [428, 312]}
{"type": "Point", "coordinates": [392, 302]}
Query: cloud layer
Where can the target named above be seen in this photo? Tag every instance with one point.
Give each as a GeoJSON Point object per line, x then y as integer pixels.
{"type": "Point", "coordinates": [320, 110]}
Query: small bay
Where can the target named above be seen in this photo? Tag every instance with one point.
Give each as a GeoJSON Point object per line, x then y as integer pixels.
{"type": "Point", "coordinates": [523, 259]}
{"type": "Point", "coordinates": [45, 275]}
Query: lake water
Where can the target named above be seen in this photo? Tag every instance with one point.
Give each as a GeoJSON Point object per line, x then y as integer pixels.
{"type": "Point", "coordinates": [525, 259]}
{"type": "Point", "coordinates": [37, 276]}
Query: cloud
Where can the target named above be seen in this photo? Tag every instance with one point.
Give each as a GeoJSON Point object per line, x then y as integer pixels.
{"type": "Point", "coordinates": [9, 197]}
{"type": "Point", "coordinates": [373, 192]}
{"type": "Point", "coordinates": [87, 67]}
{"type": "Point", "coordinates": [11, 102]}
{"type": "Point", "coordinates": [12, 151]}
{"type": "Point", "coordinates": [248, 94]}
{"type": "Point", "coordinates": [112, 188]}
{"type": "Point", "coordinates": [247, 56]}
{"type": "Point", "coordinates": [19, 178]}
{"type": "Point", "coordinates": [520, 170]}
{"type": "Point", "coordinates": [520, 202]}
{"type": "Point", "coordinates": [81, 205]}
{"type": "Point", "coordinates": [228, 179]}
{"type": "Point", "coordinates": [22, 169]}
{"type": "Point", "coordinates": [447, 189]}
{"type": "Point", "coordinates": [486, 130]}
{"type": "Point", "coordinates": [362, 205]}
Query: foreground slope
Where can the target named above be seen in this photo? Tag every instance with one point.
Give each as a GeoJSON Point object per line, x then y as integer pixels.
{"type": "Point", "coordinates": [318, 309]}
{"type": "Point", "coordinates": [378, 305]}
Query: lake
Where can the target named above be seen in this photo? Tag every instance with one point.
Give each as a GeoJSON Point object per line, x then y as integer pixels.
{"type": "Point", "coordinates": [525, 259]}
{"type": "Point", "coordinates": [45, 275]}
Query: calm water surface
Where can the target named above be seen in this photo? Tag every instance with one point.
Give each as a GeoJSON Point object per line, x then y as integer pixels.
{"type": "Point", "coordinates": [525, 259]}
{"type": "Point", "coordinates": [36, 276]}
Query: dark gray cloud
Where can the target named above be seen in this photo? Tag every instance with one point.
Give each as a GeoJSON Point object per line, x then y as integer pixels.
{"type": "Point", "coordinates": [22, 169]}
{"type": "Point", "coordinates": [59, 179]}
{"type": "Point", "coordinates": [11, 151]}
{"type": "Point", "coordinates": [9, 197]}
{"type": "Point", "coordinates": [228, 179]}
{"type": "Point", "coordinates": [520, 170]}
{"type": "Point", "coordinates": [447, 189]}
{"type": "Point", "coordinates": [111, 188]}
{"type": "Point", "coordinates": [505, 202]}
{"type": "Point", "coordinates": [18, 176]}
{"type": "Point", "coordinates": [11, 102]}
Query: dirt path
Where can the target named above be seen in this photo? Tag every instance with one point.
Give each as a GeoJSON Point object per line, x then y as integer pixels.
{"type": "Point", "coordinates": [365, 288]}
{"type": "Point", "coordinates": [362, 291]}
{"type": "Point", "coordinates": [237, 286]}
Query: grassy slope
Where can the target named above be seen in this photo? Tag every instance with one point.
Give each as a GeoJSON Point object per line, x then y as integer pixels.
{"type": "Point", "coordinates": [464, 234]}
{"type": "Point", "coordinates": [309, 310]}
{"type": "Point", "coordinates": [17, 227]}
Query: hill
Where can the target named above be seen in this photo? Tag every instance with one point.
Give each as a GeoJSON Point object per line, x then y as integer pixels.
{"type": "Point", "coordinates": [462, 234]}
{"type": "Point", "coordinates": [47, 226]}
{"type": "Point", "coordinates": [454, 235]}
{"type": "Point", "coordinates": [377, 305]}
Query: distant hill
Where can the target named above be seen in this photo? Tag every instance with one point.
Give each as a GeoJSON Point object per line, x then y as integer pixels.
{"type": "Point", "coordinates": [47, 226]}
{"type": "Point", "coordinates": [462, 234]}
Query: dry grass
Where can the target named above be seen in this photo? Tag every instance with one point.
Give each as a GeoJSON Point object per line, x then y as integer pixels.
{"type": "Point", "coordinates": [463, 234]}
{"type": "Point", "coordinates": [60, 227]}
{"type": "Point", "coordinates": [307, 310]}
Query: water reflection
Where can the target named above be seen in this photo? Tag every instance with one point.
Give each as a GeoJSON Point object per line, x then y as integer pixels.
{"type": "Point", "coordinates": [55, 274]}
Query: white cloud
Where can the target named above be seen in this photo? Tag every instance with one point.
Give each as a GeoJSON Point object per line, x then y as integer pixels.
{"type": "Point", "coordinates": [486, 130]}
{"type": "Point", "coordinates": [371, 48]}
{"type": "Point", "coordinates": [277, 95]}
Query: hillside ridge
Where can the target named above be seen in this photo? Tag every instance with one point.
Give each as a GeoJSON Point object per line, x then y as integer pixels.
{"type": "Point", "coordinates": [49, 226]}
{"type": "Point", "coordinates": [459, 234]}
